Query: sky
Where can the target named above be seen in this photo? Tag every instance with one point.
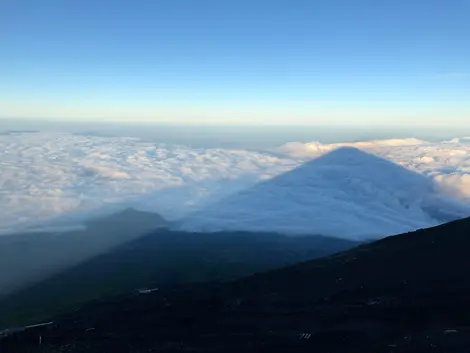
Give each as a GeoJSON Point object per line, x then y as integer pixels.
{"type": "Point", "coordinates": [356, 62]}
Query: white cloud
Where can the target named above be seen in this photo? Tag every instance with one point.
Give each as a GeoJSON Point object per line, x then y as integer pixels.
{"type": "Point", "coordinates": [315, 149]}
{"type": "Point", "coordinates": [44, 176]}
{"type": "Point", "coordinates": [435, 160]}
{"type": "Point", "coordinates": [344, 193]}
{"type": "Point", "coordinates": [456, 185]}
{"type": "Point", "coordinates": [102, 171]}
{"type": "Point", "coordinates": [47, 175]}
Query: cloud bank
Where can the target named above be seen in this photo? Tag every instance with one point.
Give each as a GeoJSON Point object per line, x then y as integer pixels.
{"type": "Point", "coordinates": [49, 176]}
{"type": "Point", "coordinates": [446, 162]}
{"type": "Point", "coordinates": [345, 193]}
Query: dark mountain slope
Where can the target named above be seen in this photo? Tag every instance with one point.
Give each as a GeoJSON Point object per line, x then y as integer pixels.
{"type": "Point", "coordinates": [129, 218]}
{"type": "Point", "coordinates": [160, 259]}
{"type": "Point", "coordinates": [28, 258]}
{"type": "Point", "coordinates": [407, 293]}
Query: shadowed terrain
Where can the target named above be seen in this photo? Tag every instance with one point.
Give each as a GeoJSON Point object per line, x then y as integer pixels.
{"type": "Point", "coordinates": [162, 258]}
{"type": "Point", "coordinates": [406, 293]}
{"type": "Point", "coordinates": [28, 258]}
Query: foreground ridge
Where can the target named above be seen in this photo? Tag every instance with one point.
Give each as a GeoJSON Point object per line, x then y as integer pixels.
{"type": "Point", "coordinates": [406, 293]}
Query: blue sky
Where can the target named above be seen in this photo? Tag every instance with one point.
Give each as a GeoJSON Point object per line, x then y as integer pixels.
{"type": "Point", "coordinates": [224, 62]}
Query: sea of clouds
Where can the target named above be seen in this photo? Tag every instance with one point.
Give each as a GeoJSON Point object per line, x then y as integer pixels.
{"type": "Point", "coordinates": [51, 177]}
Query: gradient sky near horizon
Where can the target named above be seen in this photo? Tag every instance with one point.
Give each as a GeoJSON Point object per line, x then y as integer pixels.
{"type": "Point", "coordinates": [244, 61]}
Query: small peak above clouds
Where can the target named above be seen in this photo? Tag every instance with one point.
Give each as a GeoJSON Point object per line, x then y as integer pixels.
{"type": "Point", "coordinates": [129, 218]}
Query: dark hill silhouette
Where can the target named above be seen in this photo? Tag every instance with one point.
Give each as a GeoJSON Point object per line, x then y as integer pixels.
{"type": "Point", "coordinates": [27, 258]}
{"type": "Point", "coordinates": [407, 293]}
{"type": "Point", "coordinates": [346, 193]}
{"type": "Point", "coordinates": [161, 258]}
{"type": "Point", "coordinates": [129, 218]}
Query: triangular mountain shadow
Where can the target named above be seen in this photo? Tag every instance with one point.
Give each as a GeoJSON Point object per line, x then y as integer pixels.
{"type": "Point", "coordinates": [347, 193]}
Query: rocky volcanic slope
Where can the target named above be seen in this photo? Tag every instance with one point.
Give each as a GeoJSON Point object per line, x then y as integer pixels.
{"type": "Point", "coordinates": [406, 293]}
{"type": "Point", "coordinates": [162, 259]}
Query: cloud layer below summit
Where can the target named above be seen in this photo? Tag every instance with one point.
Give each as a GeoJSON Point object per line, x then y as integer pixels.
{"type": "Point", "coordinates": [48, 176]}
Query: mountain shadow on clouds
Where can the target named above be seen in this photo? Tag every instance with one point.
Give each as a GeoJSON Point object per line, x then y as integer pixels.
{"type": "Point", "coordinates": [346, 193]}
